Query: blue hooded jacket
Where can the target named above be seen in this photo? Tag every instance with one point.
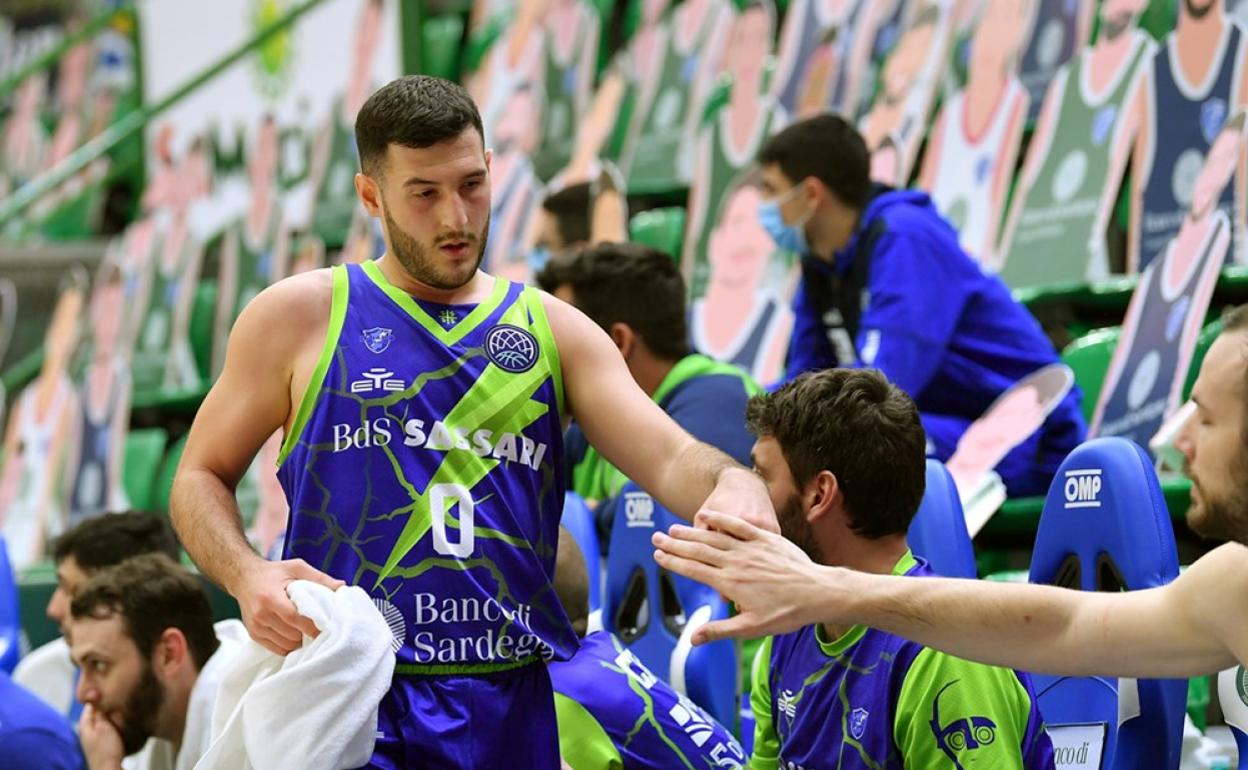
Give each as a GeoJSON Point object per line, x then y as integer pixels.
{"type": "Point", "coordinates": [938, 326]}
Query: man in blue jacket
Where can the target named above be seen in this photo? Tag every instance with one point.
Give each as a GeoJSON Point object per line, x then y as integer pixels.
{"type": "Point", "coordinates": [886, 285]}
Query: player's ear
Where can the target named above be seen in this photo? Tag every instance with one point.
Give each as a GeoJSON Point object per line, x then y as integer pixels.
{"type": "Point", "coordinates": [823, 495]}
{"type": "Point", "coordinates": [624, 337]}
{"type": "Point", "coordinates": [369, 193]}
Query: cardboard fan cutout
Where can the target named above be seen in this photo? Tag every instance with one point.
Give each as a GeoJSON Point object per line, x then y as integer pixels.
{"type": "Point", "coordinates": [1144, 383]}
{"type": "Point", "coordinates": [1012, 419]}
{"type": "Point", "coordinates": [1056, 228]}
{"type": "Point", "coordinates": [969, 161]}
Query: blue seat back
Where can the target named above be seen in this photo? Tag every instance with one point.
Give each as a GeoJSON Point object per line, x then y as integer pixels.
{"type": "Point", "coordinates": [654, 612]}
{"type": "Point", "coordinates": [10, 616]}
{"type": "Point", "coordinates": [1105, 527]}
{"type": "Point", "coordinates": [579, 521]}
{"type": "Point", "coordinates": [938, 532]}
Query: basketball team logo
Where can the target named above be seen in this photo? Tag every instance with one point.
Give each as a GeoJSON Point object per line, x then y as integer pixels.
{"type": "Point", "coordinates": [377, 339]}
{"type": "Point", "coordinates": [511, 348]}
{"type": "Point", "coordinates": [858, 723]}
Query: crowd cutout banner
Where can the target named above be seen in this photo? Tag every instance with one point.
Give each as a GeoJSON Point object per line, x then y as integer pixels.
{"type": "Point", "coordinates": [740, 283]}
{"type": "Point", "coordinates": [1196, 79]}
{"type": "Point", "coordinates": [1144, 383]}
{"type": "Point", "coordinates": [673, 72]}
{"type": "Point", "coordinates": [812, 55]}
{"type": "Point", "coordinates": [99, 433]}
{"type": "Point", "coordinates": [1010, 421]}
{"type": "Point", "coordinates": [1056, 32]}
{"type": "Point", "coordinates": [32, 510]}
{"type": "Point", "coordinates": [335, 160]}
{"type": "Point", "coordinates": [975, 137]}
{"type": "Point", "coordinates": [909, 79]}
{"type": "Point", "coordinates": [571, 30]}
{"type": "Point", "coordinates": [1055, 232]}
{"type": "Point", "coordinates": [162, 261]}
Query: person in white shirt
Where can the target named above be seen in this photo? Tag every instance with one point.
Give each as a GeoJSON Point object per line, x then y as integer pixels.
{"type": "Point", "coordinates": [151, 665]}
{"type": "Point", "coordinates": [96, 543]}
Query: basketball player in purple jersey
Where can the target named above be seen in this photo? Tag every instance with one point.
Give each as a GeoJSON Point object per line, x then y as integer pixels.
{"type": "Point", "coordinates": [422, 402]}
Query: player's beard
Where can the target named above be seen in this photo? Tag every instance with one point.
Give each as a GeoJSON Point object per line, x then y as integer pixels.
{"type": "Point", "coordinates": [419, 261]}
{"type": "Point", "coordinates": [1225, 517]}
{"type": "Point", "coordinates": [144, 704]}
{"type": "Point", "coordinates": [796, 528]}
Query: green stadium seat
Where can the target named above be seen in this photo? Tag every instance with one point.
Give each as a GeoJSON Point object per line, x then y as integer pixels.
{"type": "Point", "coordinates": [203, 314]}
{"type": "Point", "coordinates": [663, 229]}
{"type": "Point", "coordinates": [164, 479]}
{"type": "Point", "coordinates": [144, 450]}
{"type": "Point", "coordinates": [1088, 357]}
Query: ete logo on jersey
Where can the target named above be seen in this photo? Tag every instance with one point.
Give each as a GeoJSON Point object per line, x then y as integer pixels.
{"type": "Point", "coordinates": [1082, 488]}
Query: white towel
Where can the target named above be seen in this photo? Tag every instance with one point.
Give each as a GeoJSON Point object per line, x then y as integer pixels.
{"type": "Point", "coordinates": [316, 708]}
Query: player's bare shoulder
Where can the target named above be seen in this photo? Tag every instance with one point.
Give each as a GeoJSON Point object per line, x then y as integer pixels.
{"type": "Point", "coordinates": [286, 322]}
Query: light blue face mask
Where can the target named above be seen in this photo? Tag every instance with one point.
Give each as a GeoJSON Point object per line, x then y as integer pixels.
{"type": "Point", "coordinates": [538, 257]}
{"type": "Point", "coordinates": [788, 237]}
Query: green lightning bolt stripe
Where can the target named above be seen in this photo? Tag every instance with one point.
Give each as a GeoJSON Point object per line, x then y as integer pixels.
{"type": "Point", "coordinates": [499, 401]}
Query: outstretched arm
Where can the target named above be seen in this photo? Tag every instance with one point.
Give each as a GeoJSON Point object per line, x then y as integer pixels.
{"type": "Point", "coordinates": [1183, 629]}
{"type": "Point", "coordinates": [637, 437]}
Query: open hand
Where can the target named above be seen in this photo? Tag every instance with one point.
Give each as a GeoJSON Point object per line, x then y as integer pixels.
{"type": "Point", "coordinates": [774, 585]}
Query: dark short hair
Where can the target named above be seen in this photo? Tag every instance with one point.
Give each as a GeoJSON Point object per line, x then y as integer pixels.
{"type": "Point", "coordinates": [830, 149]}
{"type": "Point", "coordinates": [151, 594]}
{"type": "Point", "coordinates": [860, 427]}
{"type": "Point", "coordinates": [103, 541]}
{"type": "Point", "coordinates": [631, 284]}
{"type": "Point", "coordinates": [571, 209]}
{"type": "Point", "coordinates": [413, 111]}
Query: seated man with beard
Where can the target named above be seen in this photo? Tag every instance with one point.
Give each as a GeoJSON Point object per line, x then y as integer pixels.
{"type": "Point", "coordinates": [841, 453]}
{"type": "Point", "coordinates": [151, 664]}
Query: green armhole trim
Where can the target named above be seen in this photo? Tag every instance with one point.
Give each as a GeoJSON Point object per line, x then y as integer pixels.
{"type": "Point", "coordinates": [416, 669]}
{"type": "Point", "coordinates": [413, 308]}
{"type": "Point", "coordinates": [546, 341]}
{"type": "Point", "coordinates": [337, 312]}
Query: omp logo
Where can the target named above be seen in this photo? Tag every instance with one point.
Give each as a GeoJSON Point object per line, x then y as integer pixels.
{"type": "Point", "coordinates": [1082, 488]}
{"type": "Point", "coordinates": [639, 509]}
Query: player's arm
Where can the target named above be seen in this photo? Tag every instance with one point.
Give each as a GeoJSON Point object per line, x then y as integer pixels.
{"type": "Point", "coordinates": [247, 404]}
{"type": "Point", "coordinates": [636, 436]}
{"type": "Point", "coordinates": [1183, 629]}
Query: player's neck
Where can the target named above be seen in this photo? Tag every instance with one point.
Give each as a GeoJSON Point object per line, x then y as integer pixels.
{"type": "Point", "coordinates": [476, 290]}
{"type": "Point", "coordinates": [878, 556]}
